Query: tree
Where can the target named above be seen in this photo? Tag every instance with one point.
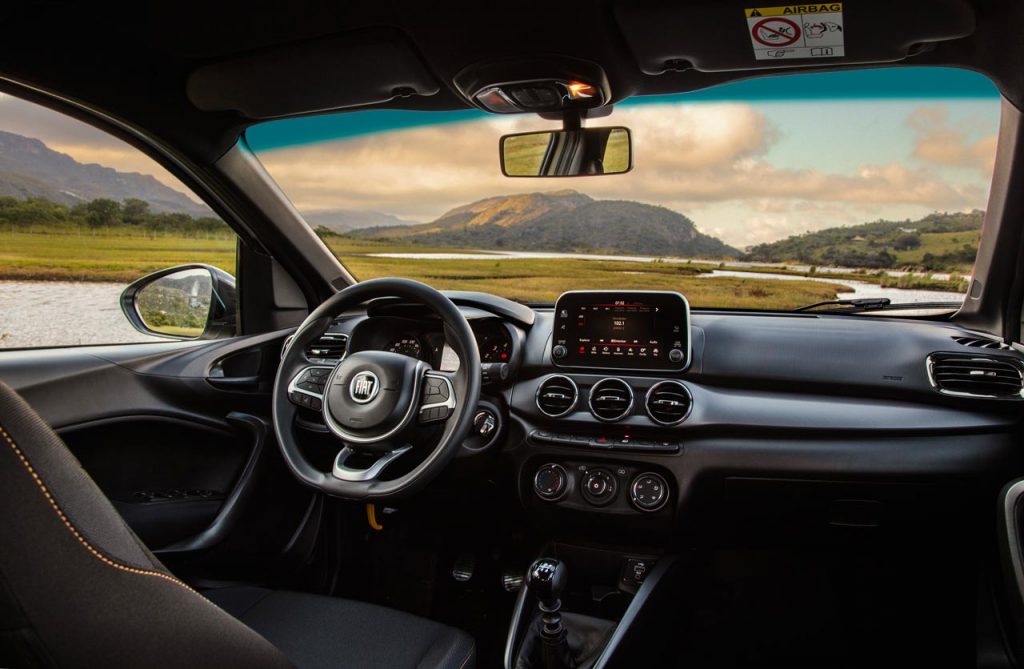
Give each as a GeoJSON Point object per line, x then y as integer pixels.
{"type": "Point", "coordinates": [134, 211]}
{"type": "Point", "coordinates": [102, 212]}
{"type": "Point", "coordinates": [906, 242]}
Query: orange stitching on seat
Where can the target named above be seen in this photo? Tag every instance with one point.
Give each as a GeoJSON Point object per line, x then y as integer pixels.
{"type": "Point", "coordinates": [67, 523]}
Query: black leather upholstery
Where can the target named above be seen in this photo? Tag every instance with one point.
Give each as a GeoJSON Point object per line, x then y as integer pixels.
{"type": "Point", "coordinates": [327, 632]}
{"type": "Point", "coordinates": [78, 588]}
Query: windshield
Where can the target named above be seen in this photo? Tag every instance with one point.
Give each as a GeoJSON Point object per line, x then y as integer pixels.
{"type": "Point", "coordinates": [771, 193]}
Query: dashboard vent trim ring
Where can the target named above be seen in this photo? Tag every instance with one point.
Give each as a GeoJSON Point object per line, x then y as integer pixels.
{"type": "Point", "coordinates": [991, 377]}
{"type": "Point", "coordinates": [610, 399]}
{"type": "Point", "coordinates": [653, 394]}
{"type": "Point", "coordinates": [566, 383]}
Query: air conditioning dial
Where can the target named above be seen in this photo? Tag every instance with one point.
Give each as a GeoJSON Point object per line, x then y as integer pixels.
{"type": "Point", "coordinates": [648, 492]}
{"type": "Point", "coordinates": [599, 486]}
{"type": "Point", "coordinates": [551, 482]}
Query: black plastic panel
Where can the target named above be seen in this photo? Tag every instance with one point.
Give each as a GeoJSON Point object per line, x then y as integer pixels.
{"type": "Point", "coordinates": [318, 75]}
{"type": "Point", "coordinates": [713, 36]}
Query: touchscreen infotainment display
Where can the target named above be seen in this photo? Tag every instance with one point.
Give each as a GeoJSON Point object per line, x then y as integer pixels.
{"type": "Point", "coordinates": [622, 330]}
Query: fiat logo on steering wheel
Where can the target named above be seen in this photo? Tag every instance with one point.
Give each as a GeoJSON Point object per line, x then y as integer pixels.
{"type": "Point", "coordinates": [364, 387]}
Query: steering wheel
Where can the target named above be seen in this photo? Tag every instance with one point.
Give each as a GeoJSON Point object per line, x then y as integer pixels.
{"type": "Point", "coordinates": [376, 403]}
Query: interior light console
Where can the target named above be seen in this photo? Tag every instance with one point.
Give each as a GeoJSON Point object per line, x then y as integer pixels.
{"type": "Point", "coordinates": [627, 330]}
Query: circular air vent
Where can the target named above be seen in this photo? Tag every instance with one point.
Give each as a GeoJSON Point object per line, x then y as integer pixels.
{"type": "Point", "coordinates": [668, 402]}
{"type": "Point", "coordinates": [556, 395]}
{"type": "Point", "coordinates": [611, 399]}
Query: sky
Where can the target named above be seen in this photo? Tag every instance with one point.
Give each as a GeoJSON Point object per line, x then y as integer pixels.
{"type": "Point", "coordinates": [749, 162]}
{"type": "Point", "coordinates": [79, 140]}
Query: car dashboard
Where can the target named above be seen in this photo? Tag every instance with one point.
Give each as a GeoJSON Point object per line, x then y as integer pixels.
{"type": "Point", "coordinates": [855, 420]}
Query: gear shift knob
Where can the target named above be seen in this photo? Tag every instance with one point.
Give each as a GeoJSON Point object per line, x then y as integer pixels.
{"type": "Point", "coordinates": [546, 579]}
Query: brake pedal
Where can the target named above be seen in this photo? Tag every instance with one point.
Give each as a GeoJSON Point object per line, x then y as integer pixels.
{"type": "Point", "coordinates": [511, 580]}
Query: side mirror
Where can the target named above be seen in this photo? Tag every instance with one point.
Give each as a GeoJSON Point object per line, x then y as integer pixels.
{"type": "Point", "coordinates": [567, 153]}
{"type": "Point", "coordinates": [185, 302]}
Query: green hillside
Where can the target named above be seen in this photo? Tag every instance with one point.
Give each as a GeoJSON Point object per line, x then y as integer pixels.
{"type": "Point", "coordinates": [938, 242]}
{"type": "Point", "coordinates": [562, 221]}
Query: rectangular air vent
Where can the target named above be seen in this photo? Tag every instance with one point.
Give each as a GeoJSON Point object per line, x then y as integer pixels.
{"type": "Point", "coordinates": [970, 375]}
{"type": "Point", "coordinates": [328, 347]}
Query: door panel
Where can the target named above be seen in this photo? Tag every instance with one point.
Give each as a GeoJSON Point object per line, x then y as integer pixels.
{"type": "Point", "coordinates": [178, 436]}
{"type": "Point", "coordinates": [169, 478]}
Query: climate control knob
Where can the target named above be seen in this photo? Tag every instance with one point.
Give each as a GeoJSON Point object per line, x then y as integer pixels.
{"type": "Point", "coordinates": [599, 487]}
{"type": "Point", "coordinates": [551, 482]}
{"type": "Point", "coordinates": [648, 492]}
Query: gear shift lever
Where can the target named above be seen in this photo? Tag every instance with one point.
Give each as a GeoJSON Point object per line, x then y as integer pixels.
{"type": "Point", "coordinates": [546, 580]}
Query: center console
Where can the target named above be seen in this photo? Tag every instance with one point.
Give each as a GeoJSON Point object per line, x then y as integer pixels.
{"type": "Point", "coordinates": [604, 409]}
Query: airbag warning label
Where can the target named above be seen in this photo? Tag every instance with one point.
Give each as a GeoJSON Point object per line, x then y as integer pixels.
{"type": "Point", "coordinates": [797, 31]}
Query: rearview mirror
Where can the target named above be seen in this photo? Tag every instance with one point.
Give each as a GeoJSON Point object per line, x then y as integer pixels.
{"type": "Point", "coordinates": [567, 153]}
{"type": "Point", "coordinates": [185, 302]}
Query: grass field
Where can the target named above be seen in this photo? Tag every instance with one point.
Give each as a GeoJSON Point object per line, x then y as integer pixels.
{"type": "Point", "coordinates": [101, 257]}
{"type": "Point", "coordinates": [124, 258]}
{"type": "Point", "coordinates": [940, 243]}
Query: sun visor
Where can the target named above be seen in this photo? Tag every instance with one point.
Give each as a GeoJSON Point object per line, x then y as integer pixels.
{"type": "Point", "coordinates": [351, 70]}
{"type": "Point", "coordinates": [714, 36]}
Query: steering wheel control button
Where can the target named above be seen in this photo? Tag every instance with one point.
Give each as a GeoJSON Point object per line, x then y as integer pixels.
{"type": "Point", "coordinates": [551, 482]}
{"type": "Point", "coordinates": [649, 492]}
{"type": "Point", "coordinates": [599, 487]}
{"type": "Point", "coordinates": [435, 389]}
{"type": "Point", "coordinates": [306, 400]}
{"type": "Point", "coordinates": [437, 399]}
{"type": "Point", "coordinates": [310, 380]}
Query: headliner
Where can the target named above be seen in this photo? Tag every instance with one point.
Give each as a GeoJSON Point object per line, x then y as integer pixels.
{"type": "Point", "coordinates": [134, 64]}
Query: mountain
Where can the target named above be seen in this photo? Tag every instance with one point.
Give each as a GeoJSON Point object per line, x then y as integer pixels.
{"type": "Point", "coordinates": [29, 168]}
{"type": "Point", "coordinates": [565, 221]}
{"type": "Point", "coordinates": [346, 220]}
{"type": "Point", "coordinates": [939, 241]}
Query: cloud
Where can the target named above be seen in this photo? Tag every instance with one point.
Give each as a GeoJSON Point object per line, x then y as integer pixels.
{"type": "Point", "coordinates": [687, 158]}
{"type": "Point", "coordinates": [941, 142]}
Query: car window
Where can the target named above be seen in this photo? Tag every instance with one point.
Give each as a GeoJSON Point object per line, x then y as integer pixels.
{"type": "Point", "coordinates": [83, 214]}
{"type": "Point", "coordinates": [770, 193]}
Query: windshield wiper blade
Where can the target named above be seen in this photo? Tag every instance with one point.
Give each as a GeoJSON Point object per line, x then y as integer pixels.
{"type": "Point", "coordinates": [858, 305]}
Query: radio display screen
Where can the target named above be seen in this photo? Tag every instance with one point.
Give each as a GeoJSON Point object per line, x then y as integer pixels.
{"type": "Point", "coordinates": [622, 330]}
